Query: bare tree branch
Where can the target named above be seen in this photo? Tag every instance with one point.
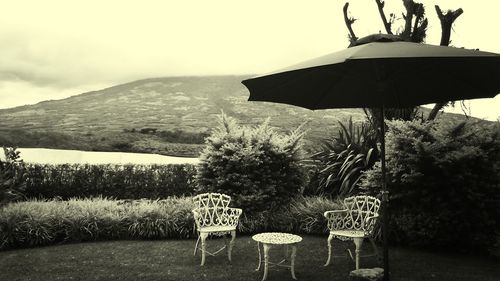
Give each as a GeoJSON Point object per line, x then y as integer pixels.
{"type": "Point", "coordinates": [408, 17]}
{"type": "Point", "coordinates": [446, 23]}
{"type": "Point", "coordinates": [418, 12]}
{"type": "Point", "coordinates": [387, 25]}
{"type": "Point", "coordinates": [348, 23]}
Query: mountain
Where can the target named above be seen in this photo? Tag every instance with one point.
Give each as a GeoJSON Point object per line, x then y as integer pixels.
{"type": "Point", "coordinates": [168, 115]}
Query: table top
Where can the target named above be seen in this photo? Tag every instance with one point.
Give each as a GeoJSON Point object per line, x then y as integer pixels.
{"type": "Point", "coordinates": [277, 238]}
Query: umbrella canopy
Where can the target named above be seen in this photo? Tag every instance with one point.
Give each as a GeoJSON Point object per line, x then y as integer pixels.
{"type": "Point", "coordinates": [384, 73]}
{"type": "Point", "coordinates": [389, 74]}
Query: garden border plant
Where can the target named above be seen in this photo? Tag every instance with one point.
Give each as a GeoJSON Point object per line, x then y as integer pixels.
{"type": "Point", "coordinates": [44, 222]}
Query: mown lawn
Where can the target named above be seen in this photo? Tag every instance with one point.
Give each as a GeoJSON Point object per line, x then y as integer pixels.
{"type": "Point", "coordinates": [174, 260]}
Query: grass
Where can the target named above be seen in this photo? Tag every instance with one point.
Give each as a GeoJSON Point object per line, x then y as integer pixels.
{"type": "Point", "coordinates": [174, 260]}
{"type": "Point", "coordinates": [40, 222]}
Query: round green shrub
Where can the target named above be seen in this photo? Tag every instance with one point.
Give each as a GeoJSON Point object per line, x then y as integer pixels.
{"type": "Point", "coordinates": [444, 181]}
{"type": "Point", "coordinates": [258, 167]}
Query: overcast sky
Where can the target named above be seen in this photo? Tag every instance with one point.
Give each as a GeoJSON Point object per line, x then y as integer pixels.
{"type": "Point", "coordinates": [54, 49]}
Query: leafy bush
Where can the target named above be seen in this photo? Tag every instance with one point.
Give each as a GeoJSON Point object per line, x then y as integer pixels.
{"type": "Point", "coordinates": [344, 158]}
{"type": "Point", "coordinates": [259, 168]}
{"type": "Point", "coordinates": [39, 222]}
{"type": "Point", "coordinates": [117, 181]}
{"type": "Point", "coordinates": [180, 136]}
{"type": "Point", "coordinates": [300, 215]}
{"type": "Point", "coordinates": [122, 146]}
{"type": "Point", "coordinates": [12, 185]}
{"type": "Point", "coordinates": [444, 181]}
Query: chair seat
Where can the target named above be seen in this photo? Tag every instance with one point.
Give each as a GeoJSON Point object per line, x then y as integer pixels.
{"type": "Point", "coordinates": [349, 233]}
{"type": "Point", "coordinates": [217, 228]}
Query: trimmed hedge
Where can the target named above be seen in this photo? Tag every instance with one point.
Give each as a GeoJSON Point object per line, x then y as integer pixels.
{"type": "Point", "coordinates": [36, 222]}
{"type": "Point", "coordinates": [65, 181]}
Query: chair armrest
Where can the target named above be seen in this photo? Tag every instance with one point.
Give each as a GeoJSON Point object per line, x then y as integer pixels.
{"type": "Point", "coordinates": [197, 217]}
{"type": "Point", "coordinates": [196, 213]}
{"type": "Point", "coordinates": [329, 214]}
{"type": "Point", "coordinates": [232, 216]}
{"type": "Point", "coordinates": [337, 219]}
{"type": "Point", "coordinates": [235, 211]}
{"type": "Point", "coordinates": [370, 223]}
{"type": "Point", "coordinates": [374, 217]}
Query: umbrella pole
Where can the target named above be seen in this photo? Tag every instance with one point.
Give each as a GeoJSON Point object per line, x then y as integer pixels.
{"type": "Point", "coordinates": [385, 198]}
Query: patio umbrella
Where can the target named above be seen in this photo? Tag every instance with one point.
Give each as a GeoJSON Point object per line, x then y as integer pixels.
{"type": "Point", "coordinates": [383, 72]}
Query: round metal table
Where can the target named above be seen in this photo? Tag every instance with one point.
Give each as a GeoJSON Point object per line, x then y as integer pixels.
{"type": "Point", "coordinates": [271, 239]}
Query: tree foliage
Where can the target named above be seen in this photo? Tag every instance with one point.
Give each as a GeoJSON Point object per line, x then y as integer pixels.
{"type": "Point", "coordinates": [414, 29]}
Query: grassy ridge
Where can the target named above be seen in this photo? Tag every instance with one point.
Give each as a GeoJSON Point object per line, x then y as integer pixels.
{"type": "Point", "coordinates": [112, 119]}
{"type": "Point", "coordinates": [102, 141]}
{"type": "Point", "coordinates": [109, 119]}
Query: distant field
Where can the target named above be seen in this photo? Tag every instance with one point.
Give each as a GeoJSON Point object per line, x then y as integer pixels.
{"type": "Point", "coordinates": [99, 141]}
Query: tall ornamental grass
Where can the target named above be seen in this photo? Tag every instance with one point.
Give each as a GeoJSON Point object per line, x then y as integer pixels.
{"type": "Point", "coordinates": [40, 222]}
{"type": "Point", "coordinates": [43, 222]}
{"type": "Point", "coordinates": [300, 215]}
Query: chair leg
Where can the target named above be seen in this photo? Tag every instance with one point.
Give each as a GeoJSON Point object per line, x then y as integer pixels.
{"type": "Point", "coordinates": [231, 244]}
{"type": "Point", "coordinates": [196, 246]}
{"type": "Point", "coordinates": [358, 242]}
{"type": "Point", "coordinates": [203, 237]}
{"type": "Point", "coordinates": [330, 237]}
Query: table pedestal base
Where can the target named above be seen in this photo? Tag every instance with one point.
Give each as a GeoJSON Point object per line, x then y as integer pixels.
{"type": "Point", "coordinates": [268, 264]}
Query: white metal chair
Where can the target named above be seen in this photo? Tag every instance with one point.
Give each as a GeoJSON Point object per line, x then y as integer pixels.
{"type": "Point", "coordinates": [355, 222]}
{"type": "Point", "coordinates": [213, 216]}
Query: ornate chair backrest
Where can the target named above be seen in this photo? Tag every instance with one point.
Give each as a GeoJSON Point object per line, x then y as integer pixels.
{"type": "Point", "coordinates": [212, 209]}
{"type": "Point", "coordinates": [362, 212]}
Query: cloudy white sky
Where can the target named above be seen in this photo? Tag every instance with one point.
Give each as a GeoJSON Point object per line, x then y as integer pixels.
{"type": "Point", "coordinates": [54, 49]}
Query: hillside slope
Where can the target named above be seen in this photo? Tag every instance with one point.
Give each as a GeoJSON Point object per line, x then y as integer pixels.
{"type": "Point", "coordinates": [162, 115]}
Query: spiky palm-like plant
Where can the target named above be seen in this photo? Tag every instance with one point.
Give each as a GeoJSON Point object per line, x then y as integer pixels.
{"type": "Point", "coordinates": [344, 158]}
